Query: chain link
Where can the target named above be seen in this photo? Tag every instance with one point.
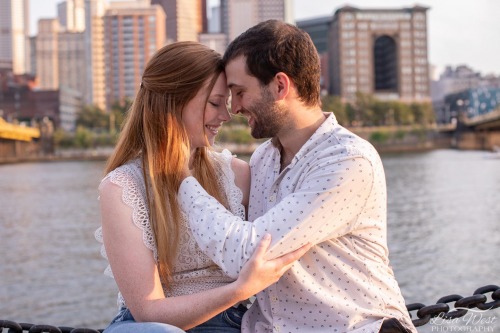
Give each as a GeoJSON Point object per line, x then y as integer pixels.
{"type": "Point", "coordinates": [460, 308]}
{"type": "Point", "coordinates": [424, 312]}
{"type": "Point", "coordinates": [14, 327]}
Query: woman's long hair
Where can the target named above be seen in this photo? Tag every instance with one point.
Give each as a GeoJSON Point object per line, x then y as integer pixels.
{"type": "Point", "coordinates": [153, 130]}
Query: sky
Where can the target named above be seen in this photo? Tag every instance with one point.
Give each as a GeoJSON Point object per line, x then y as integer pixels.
{"type": "Point", "coordinates": [461, 32]}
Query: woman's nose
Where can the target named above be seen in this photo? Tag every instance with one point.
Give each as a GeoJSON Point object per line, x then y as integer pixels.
{"type": "Point", "coordinates": [224, 114]}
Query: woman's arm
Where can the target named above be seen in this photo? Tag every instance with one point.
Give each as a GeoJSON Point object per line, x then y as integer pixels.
{"type": "Point", "coordinates": [138, 280]}
{"type": "Point", "coordinates": [241, 171]}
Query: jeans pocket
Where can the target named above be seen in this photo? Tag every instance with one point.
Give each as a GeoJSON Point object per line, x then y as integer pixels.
{"type": "Point", "coordinates": [233, 316]}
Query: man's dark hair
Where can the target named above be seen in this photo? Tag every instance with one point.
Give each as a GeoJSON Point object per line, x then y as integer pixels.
{"type": "Point", "coordinates": [274, 46]}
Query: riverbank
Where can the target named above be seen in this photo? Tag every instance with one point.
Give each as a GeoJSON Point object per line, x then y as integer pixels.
{"type": "Point", "coordinates": [102, 154]}
{"type": "Point", "coordinates": [395, 139]}
{"type": "Point", "coordinates": [94, 154]}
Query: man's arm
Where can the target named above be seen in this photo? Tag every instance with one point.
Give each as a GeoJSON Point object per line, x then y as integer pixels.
{"type": "Point", "coordinates": [325, 205]}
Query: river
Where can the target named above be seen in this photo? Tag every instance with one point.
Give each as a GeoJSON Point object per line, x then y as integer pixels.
{"type": "Point", "coordinates": [443, 236]}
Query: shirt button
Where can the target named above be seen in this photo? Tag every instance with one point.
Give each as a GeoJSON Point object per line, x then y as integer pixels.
{"type": "Point", "coordinates": [277, 328]}
{"type": "Point", "coordinates": [274, 299]}
{"type": "Point", "coordinates": [272, 197]}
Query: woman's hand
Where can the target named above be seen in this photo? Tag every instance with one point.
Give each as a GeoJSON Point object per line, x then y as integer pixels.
{"type": "Point", "coordinates": [259, 273]}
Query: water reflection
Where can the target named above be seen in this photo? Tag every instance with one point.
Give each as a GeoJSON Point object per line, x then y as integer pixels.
{"type": "Point", "coordinates": [443, 223]}
{"type": "Point", "coordinates": [443, 235]}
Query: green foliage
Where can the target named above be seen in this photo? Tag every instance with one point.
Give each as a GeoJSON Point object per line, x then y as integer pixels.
{"type": "Point", "coordinates": [118, 113]}
{"type": "Point", "coordinates": [96, 127]}
{"type": "Point", "coordinates": [83, 137]}
{"type": "Point", "coordinates": [63, 139]}
{"type": "Point", "coordinates": [334, 104]}
{"type": "Point", "coordinates": [92, 117]}
{"type": "Point", "coordinates": [380, 137]}
{"type": "Point", "coordinates": [367, 110]}
{"type": "Point", "coordinates": [400, 135]}
{"type": "Point", "coordinates": [236, 120]}
{"type": "Point", "coordinates": [235, 134]}
{"type": "Point", "coordinates": [97, 120]}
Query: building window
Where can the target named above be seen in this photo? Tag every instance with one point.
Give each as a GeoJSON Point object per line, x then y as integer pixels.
{"type": "Point", "coordinates": [385, 64]}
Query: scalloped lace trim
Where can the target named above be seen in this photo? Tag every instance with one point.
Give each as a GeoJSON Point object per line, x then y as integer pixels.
{"type": "Point", "coordinates": [133, 193]}
{"type": "Point", "coordinates": [194, 271]}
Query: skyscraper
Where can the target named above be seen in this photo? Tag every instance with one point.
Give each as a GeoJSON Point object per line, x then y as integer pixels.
{"type": "Point", "coordinates": [185, 19]}
{"type": "Point", "coordinates": [14, 36]}
{"type": "Point", "coordinates": [71, 60]}
{"type": "Point", "coordinates": [47, 54]}
{"type": "Point", "coordinates": [71, 15]}
{"type": "Point", "coordinates": [239, 15]}
{"type": "Point", "coordinates": [95, 91]}
{"type": "Point", "coordinates": [133, 32]}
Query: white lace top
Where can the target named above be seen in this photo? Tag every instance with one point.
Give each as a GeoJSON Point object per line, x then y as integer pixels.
{"type": "Point", "coordinates": [193, 270]}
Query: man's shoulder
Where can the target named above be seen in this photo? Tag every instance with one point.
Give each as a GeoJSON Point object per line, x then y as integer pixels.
{"type": "Point", "coordinates": [340, 142]}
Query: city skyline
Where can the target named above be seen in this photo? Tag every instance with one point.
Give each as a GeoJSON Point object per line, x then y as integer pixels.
{"type": "Point", "coordinates": [451, 39]}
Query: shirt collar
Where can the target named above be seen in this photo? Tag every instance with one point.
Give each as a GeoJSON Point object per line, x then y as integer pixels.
{"type": "Point", "coordinates": [325, 128]}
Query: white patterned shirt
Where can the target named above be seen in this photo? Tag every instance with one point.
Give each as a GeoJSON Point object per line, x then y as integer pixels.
{"type": "Point", "coordinates": [332, 194]}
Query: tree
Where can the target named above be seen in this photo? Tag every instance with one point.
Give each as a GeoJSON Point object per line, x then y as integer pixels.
{"type": "Point", "coordinates": [92, 117]}
{"type": "Point", "coordinates": [334, 104]}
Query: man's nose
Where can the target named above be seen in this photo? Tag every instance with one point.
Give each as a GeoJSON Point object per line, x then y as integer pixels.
{"type": "Point", "coordinates": [235, 107]}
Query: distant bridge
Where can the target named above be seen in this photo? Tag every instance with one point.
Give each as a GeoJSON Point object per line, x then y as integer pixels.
{"type": "Point", "coordinates": [479, 132]}
{"type": "Point", "coordinates": [487, 121]}
{"type": "Point", "coordinates": [17, 132]}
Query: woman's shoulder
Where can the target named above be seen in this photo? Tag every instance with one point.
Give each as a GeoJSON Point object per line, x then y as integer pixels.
{"type": "Point", "coordinates": [126, 175]}
{"type": "Point", "coordinates": [237, 172]}
{"type": "Point", "coordinates": [238, 166]}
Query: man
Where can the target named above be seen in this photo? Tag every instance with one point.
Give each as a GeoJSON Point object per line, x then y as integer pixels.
{"type": "Point", "coordinates": [314, 181]}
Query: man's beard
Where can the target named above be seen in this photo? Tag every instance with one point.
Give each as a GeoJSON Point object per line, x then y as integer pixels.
{"type": "Point", "coordinates": [269, 117]}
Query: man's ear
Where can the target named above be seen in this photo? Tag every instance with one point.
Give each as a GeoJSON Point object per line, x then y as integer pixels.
{"type": "Point", "coordinates": [282, 82]}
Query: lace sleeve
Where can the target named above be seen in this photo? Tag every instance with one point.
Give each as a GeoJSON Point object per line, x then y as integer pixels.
{"type": "Point", "coordinates": [129, 178]}
{"type": "Point", "coordinates": [226, 180]}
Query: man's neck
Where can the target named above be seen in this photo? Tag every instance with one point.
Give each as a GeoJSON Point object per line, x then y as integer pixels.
{"type": "Point", "coordinates": [296, 134]}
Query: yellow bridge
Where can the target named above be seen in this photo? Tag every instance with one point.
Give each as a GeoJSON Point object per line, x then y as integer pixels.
{"type": "Point", "coordinates": [17, 132]}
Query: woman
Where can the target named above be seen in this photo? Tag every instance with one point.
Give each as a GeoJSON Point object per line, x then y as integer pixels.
{"type": "Point", "coordinates": [166, 283]}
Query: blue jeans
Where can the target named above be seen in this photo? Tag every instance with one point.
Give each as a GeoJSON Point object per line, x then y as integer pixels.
{"type": "Point", "coordinates": [228, 321]}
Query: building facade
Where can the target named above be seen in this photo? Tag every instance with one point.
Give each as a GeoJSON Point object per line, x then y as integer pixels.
{"type": "Point", "coordinates": [318, 29]}
{"type": "Point", "coordinates": [132, 36]}
{"type": "Point", "coordinates": [462, 90]}
{"type": "Point", "coordinates": [47, 54]}
{"type": "Point", "coordinates": [14, 36]}
{"type": "Point", "coordinates": [71, 61]}
{"type": "Point", "coordinates": [239, 15]}
{"type": "Point", "coordinates": [71, 15]}
{"type": "Point", "coordinates": [95, 90]}
{"type": "Point", "coordinates": [215, 41]}
{"type": "Point", "coordinates": [381, 52]}
{"type": "Point", "coordinates": [185, 19]}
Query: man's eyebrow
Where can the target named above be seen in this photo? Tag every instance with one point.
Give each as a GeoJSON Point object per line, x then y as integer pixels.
{"type": "Point", "coordinates": [234, 85]}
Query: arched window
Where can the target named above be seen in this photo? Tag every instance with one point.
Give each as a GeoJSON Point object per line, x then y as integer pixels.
{"type": "Point", "coordinates": [385, 64]}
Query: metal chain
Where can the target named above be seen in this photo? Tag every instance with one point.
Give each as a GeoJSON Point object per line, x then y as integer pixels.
{"type": "Point", "coordinates": [30, 328]}
{"type": "Point", "coordinates": [424, 312]}
{"type": "Point", "coordinates": [460, 308]}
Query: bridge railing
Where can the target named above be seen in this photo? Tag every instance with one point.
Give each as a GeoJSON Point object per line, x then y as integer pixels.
{"type": "Point", "coordinates": [17, 132]}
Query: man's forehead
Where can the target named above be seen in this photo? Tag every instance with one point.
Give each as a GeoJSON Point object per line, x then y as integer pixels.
{"type": "Point", "coordinates": [237, 73]}
{"type": "Point", "coordinates": [238, 65]}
